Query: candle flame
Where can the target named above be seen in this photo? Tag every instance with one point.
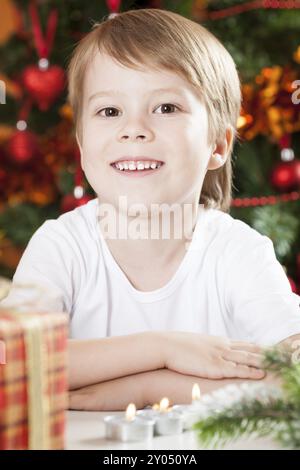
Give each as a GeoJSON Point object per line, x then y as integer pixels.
{"type": "Point", "coordinates": [164, 405]}
{"type": "Point", "coordinates": [130, 411]}
{"type": "Point", "coordinates": [155, 407]}
{"type": "Point", "coordinates": [196, 392]}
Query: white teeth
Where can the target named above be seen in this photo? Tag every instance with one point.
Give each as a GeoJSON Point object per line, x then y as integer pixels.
{"type": "Point", "coordinates": [133, 166]}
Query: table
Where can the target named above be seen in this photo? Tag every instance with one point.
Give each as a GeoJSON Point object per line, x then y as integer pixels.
{"type": "Point", "coordinates": [86, 431]}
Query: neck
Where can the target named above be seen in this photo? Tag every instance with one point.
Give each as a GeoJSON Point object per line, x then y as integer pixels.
{"type": "Point", "coordinates": [157, 239]}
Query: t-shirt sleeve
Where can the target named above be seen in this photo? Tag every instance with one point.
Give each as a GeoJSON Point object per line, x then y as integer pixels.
{"type": "Point", "coordinates": [46, 263]}
{"type": "Point", "coordinates": [260, 303]}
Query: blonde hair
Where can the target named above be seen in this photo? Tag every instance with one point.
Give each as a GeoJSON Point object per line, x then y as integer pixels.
{"type": "Point", "coordinates": [163, 39]}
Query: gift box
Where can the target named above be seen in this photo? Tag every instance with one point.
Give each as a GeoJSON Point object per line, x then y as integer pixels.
{"type": "Point", "coordinates": [33, 383]}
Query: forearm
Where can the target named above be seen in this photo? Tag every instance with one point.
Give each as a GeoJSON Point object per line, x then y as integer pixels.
{"type": "Point", "coordinates": [145, 389]}
{"type": "Point", "coordinates": [178, 387]}
{"type": "Point", "coordinates": [98, 360]}
{"type": "Point", "coordinates": [113, 395]}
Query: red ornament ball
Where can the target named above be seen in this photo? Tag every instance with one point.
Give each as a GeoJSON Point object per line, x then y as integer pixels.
{"type": "Point", "coordinates": [22, 146]}
{"type": "Point", "coordinates": [70, 202]}
{"type": "Point", "coordinates": [44, 86]}
{"type": "Point", "coordinates": [286, 175]}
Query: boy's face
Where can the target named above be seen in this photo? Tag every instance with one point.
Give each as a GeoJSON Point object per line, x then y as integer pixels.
{"type": "Point", "coordinates": [140, 125]}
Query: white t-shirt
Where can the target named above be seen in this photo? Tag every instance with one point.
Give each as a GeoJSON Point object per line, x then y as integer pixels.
{"type": "Point", "coordinates": [229, 282]}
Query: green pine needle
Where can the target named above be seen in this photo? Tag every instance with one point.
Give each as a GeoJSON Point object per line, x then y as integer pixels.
{"type": "Point", "coordinates": [278, 418]}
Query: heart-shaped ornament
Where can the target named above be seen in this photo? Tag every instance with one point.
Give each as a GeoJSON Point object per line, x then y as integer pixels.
{"type": "Point", "coordinates": [44, 86]}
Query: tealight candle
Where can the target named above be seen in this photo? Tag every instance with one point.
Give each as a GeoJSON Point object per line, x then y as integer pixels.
{"type": "Point", "coordinates": [167, 421]}
{"type": "Point", "coordinates": [130, 427]}
{"type": "Point", "coordinates": [191, 413]}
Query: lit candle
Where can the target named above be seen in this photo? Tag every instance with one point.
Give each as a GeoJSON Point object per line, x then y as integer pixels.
{"type": "Point", "coordinates": [130, 427]}
{"type": "Point", "coordinates": [167, 421]}
{"type": "Point", "coordinates": [192, 412]}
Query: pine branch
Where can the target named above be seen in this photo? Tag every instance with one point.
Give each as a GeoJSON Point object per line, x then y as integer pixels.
{"type": "Point", "coordinates": [256, 410]}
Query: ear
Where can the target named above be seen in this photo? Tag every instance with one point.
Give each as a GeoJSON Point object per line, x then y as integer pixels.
{"type": "Point", "coordinates": [221, 151]}
{"type": "Point", "coordinates": [80, 149]}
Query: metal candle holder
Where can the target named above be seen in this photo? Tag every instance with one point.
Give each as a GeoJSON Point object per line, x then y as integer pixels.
{"type": "Point", "coordinates": [130, 428]}
{"type": "Point", "coordinates": [167, 421]}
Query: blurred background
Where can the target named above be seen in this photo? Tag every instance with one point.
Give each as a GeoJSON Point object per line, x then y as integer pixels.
{"type": "Point", "coordinates": [40, 175]}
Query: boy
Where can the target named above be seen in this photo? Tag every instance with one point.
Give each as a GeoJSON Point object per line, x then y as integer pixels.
{"type": "Point", "coordinates": [156, 99]}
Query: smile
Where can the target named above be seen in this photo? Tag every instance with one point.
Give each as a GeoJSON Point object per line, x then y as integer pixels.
{"type": "Point", "coordinates": [137, 169]}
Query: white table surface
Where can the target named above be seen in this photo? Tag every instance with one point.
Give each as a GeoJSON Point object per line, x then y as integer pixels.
{"type": "Point", "coordinates": [86, 431]}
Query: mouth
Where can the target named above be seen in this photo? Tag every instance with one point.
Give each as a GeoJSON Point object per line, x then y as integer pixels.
{"type": "Point", "coordinates": [137, 168]}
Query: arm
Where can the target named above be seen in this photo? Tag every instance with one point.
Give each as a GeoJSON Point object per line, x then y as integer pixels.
{"type": "Point", "coordinates": [145, 389]}
{"type": "Point", "coordinates": [98, 360]}
{"type": "Point", "coordinates": [149, 387]}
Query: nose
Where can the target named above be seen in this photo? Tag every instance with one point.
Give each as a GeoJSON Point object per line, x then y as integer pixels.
{"type": "Point", "coordinates": [132, 137]}
{"type": "Point", "coordinates": [134, 131]}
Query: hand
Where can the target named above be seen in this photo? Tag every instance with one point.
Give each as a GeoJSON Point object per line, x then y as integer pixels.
{"type": "Point", "coordinates": [212, 357]}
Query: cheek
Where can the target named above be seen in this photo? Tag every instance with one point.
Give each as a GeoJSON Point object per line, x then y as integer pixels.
{"type": "Point", "coordinates": [92, 148]}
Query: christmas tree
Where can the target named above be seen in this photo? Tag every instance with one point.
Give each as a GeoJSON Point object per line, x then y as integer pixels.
{"type": "Point", "coordinates": [40, 174]}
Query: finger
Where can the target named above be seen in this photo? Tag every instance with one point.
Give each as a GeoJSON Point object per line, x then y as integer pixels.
{"type": "Point", "coordinates": [239, 371]}
{"type": "Point", "coordinates": [244, 357]}
{"type": "Point", "coordinates": [251, 347]}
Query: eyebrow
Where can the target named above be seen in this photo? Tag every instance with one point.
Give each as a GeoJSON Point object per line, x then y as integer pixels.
{"type": "Point", "coordinates": [119, 93]}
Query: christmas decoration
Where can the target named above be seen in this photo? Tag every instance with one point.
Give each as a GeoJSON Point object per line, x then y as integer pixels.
{"type": "Point", "coordinates": [257, 409]}
{"type": "Point", "coordinates": [44, 83]}
{"type": "Point", "coordinates": [22, 146]}
{"type": "Point", "coordinates": [253, 5]}
{"type": "Point", "coordinates": [265, 200]}
{"type": "Point", "coordinates": [269, 100]}
{"type": "Point", "coordinates": [113, 5]}
{"type": "Point", "coordinates": [286, 175]}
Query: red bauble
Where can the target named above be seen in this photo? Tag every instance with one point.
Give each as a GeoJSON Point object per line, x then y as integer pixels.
{"type": "Point", "coordinates": [70, 202]}
{"type": "Point", "coordinates": [22, 146]}
{"type": "Point", "coordinates": [286, 175]}
{"type": "Point", "coordinates": [44, 86]}
{"type": "Point", "coordinates": [113, 5]}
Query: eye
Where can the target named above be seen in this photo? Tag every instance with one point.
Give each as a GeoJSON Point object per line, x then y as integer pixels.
{"type": "Point", "coordinates": [168, 105]}
{"type": "Point", "coordinates": [165, 105]}
{"type": "Point", "coordinates": [104, 109]}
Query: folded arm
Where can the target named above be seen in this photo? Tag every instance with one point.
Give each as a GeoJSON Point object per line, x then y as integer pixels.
{"type": "Point", "coordinates": [146, 389]}
{"type": "Point", "coordinates": [98, 360]}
